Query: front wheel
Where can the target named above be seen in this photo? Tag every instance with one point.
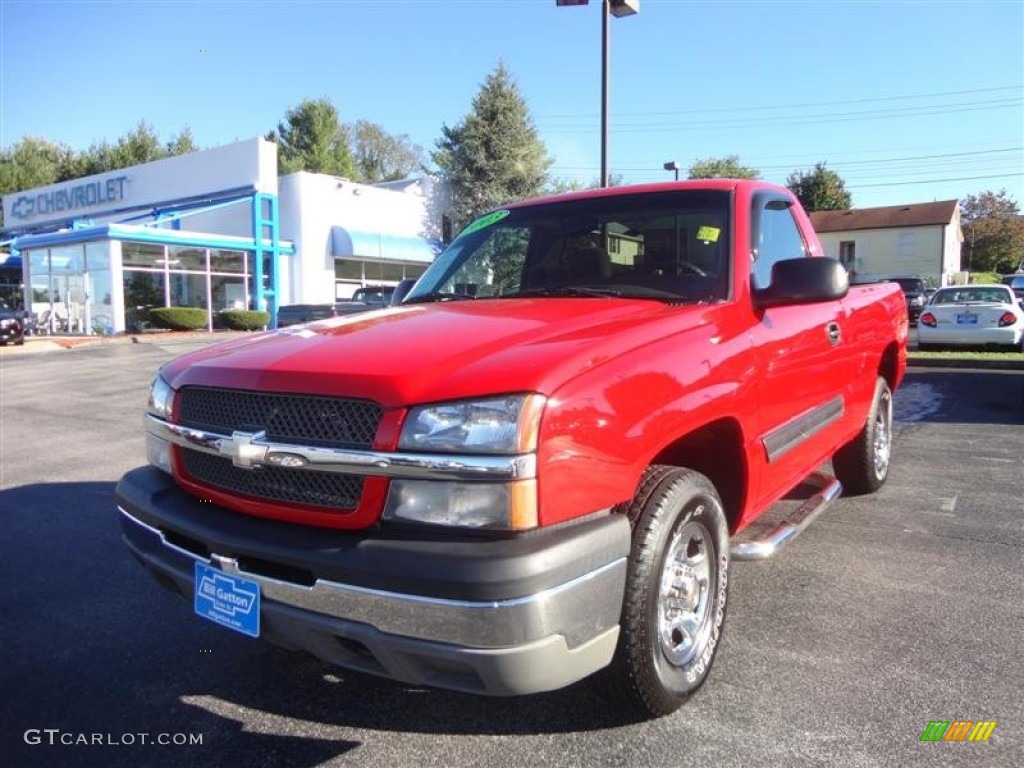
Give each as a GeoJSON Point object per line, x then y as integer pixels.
{"type": "Point", "coordinates": [862, 465]}
{"type": "Point", "coordinates": [674, 606]}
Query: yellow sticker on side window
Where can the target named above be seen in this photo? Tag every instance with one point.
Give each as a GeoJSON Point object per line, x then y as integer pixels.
{"type": "Point", "coordinates": [709, 233]}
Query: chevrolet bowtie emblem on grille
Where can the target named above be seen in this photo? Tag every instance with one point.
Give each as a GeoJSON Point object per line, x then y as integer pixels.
{"type": "Point", "coordinates": [240, 447]}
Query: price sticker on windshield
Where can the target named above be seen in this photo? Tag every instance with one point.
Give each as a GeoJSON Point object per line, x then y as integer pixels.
{"type": "Point", "coordinates": [708, 234]}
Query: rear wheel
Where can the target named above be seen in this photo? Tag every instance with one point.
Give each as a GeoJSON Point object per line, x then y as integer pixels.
{"type": "Point", "coordinates": [676, 586]}
{"type": "Point", "coordinates": [862, 465]}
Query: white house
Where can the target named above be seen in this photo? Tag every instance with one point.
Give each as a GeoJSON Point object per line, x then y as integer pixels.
{"type": "Point", "coordinates": [921, 239]}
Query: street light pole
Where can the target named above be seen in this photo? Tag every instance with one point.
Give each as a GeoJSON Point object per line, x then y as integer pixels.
{"type": "Point", "coordinates": [605, 40]}
{"type": "Point", "coordinates": [672, 165]}
{"type": "Point", "coordinates": [608, 8]}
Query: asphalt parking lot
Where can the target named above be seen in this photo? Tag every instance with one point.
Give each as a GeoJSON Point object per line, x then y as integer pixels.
{"type": "Point", "coordinates": [889, 612]}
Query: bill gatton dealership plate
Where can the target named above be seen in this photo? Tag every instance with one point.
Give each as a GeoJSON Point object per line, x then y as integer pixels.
{"type": "Point", "coordinates": [228, 600]}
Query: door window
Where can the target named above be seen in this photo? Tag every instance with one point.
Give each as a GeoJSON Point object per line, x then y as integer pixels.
{"type": "Point", "coordinates": [776, 237]}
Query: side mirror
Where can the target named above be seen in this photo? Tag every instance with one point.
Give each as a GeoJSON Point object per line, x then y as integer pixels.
{"type": "Point", "coordinates": [804, 281]}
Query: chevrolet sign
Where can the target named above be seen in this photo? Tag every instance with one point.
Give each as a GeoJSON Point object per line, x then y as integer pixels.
{"type": "Point", "coordinates": [71, 198]}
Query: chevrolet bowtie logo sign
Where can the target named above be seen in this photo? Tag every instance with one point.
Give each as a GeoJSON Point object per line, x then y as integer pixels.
{"type": "Point", "coordinates": [242, 450]}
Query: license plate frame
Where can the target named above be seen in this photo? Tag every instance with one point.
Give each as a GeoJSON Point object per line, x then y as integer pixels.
{"type": "Point", "coordinates": [967, 318]}
{"type": "Point", "coordinates": [228, 600]}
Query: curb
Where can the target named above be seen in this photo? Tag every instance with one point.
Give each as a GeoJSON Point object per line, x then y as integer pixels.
{"type": "Point", "coordinates": [43, 344]}
{"type": "Point", "coordinates": [989, 365]}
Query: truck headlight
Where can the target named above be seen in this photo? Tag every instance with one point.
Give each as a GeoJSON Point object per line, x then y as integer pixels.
{"type": "Point", "coordinates": [158, 450]}
{"type": "Point", "coordinates": [160, 398]}
{"type": "Point", "coordinates": [498, 425]}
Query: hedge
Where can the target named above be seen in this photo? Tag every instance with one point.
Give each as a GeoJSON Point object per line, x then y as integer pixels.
{"type": "Point", "coordinates": [244, 319]}
{"type": "Point", "coordinates": [178, 318]}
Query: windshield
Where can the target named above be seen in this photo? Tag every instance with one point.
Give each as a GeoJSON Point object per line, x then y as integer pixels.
{"type": "Point", "coordinates": [969, 295]}
{"type": "Point", "coordinates": [910, 284]}
{"type": "Point", "coordinates": [672, 246]}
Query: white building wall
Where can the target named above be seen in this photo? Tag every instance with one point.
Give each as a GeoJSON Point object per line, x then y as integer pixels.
{"type": "Point", "coordinates": [311, 204]}
{"type": "Point", "coordinates": [896, 251]}
{"type": "Point", "coordinates": [954, 239]}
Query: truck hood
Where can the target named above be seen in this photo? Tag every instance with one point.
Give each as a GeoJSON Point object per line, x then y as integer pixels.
{"type": "Point", "coordinates": [432, 352]}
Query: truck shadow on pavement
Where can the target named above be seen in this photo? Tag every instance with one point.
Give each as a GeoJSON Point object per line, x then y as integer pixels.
{"type": "Point", "coordinates": [95, 646]}
{"type": "Point", "coordinates": [960, 397]}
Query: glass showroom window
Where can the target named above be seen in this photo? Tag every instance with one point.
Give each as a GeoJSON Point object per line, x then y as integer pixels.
{"type": "Point", "coordinates": [143, 255]}
{"type": "Point", "coordinates": [186, 258]}
{"type": "Point", "coordinates": [99, 288]}
{"type": "Point", "coordinates": [143, 290]}
{"type": "Point", "coordinates": [145, 281]}
{"type": "Point", "coordinates": [228, 281]}
{"type": "Point", "coordinates": [231, 262]}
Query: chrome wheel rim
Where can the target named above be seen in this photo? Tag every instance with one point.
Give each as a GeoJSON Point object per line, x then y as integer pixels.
{"type": "Point", "coordinates": [883, 435]}
{"type": "Point", "coordinates": [685, 594]}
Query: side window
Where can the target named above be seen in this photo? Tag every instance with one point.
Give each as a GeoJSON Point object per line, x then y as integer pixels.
{"type": "Point", "coordinates": [775, 237]}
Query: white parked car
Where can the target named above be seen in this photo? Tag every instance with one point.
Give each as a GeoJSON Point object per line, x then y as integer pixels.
{"type": "Point", "coordinates": [972, 315]}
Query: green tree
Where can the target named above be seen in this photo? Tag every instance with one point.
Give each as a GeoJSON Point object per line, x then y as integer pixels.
{"type": "Point", "coordinates": [559, 186]}
{"type": "Point", "coordinates": [993, 232]}
{"type": "Point", "coordinates": [140, 145]}
{"type": "Point", "coordinates": [820, 189]}
{"type": "Point", "coordinates": [182, 144]}
{"type": "Point", "coordinates": [34, 162]}
{"type": "Point", "coordinates": [381, 156]}
{"type": "Point", "coordinates": [562, 186]}
{"type": "Point", "coordinates": [728, 167]}
{"type": "Point", "coordinates": [495, 154]}
{"type": "Point", "coordinates": [312, 138]}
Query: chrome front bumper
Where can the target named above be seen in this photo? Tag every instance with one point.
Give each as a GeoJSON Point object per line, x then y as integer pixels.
{"type": "Point", "coordinates": [508, 646]}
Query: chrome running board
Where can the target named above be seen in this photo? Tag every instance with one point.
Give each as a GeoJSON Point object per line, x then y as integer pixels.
{"type": "Point", "coordinates": [829, 490]}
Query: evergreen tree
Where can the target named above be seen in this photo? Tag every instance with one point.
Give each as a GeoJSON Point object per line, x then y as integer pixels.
{"type": "Point", "coordinates": [312, 138]}
{"type": "Point", "coordinates": [820, 189]}
{"type": "Point", "coordinates": [494, 156]}
{"type": "Point", "coordinates": [34, 162]}
{"type": "Point", "coordinates": [141, 145]}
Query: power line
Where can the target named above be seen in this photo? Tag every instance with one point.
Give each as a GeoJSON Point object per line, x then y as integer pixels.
{"type": "Point", "coordinates": [936, 181]}
{"type": "Point", "coordinates": [830, 165]}
{"type": "Point", "coordinates": [844, 102]}
{"type": "Point", "coordinates": [819, 119]}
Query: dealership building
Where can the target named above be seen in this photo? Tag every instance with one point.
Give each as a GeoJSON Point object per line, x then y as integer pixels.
{"type": "Point", "coordinates": [216, 229]}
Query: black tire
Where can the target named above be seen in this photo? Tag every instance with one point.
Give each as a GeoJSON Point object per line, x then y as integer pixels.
{"type": "Point", "coordinates": [671, 627]}
{"type": "Point", "coordinates": [862, 465]}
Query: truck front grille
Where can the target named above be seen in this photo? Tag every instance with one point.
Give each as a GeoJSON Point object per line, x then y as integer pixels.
{"type": "Point", "coordinates": [306, 420]}
{"type": "Point", "coordinates": [294, 486]}
{"type": "Point", "coordinates": [315, 420]}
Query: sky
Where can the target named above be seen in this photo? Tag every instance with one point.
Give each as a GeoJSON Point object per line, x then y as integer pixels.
{"type": "Point", "coordinates": [909, 101]}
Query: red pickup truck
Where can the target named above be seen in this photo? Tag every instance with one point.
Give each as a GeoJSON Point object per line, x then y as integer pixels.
{"type": "Point", "coordinates": [541, 464]}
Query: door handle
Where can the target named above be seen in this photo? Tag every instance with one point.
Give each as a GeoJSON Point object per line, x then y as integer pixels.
{"type": "Point", "coordinates": [834, 334]}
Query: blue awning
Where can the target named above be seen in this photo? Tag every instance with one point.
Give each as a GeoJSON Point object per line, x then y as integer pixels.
{"type": "Point", "coordinates": [348, 243]}
{"type": "Point", "coordinates": [9, 261]}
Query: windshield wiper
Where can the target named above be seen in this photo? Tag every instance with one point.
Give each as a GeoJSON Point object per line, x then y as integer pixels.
{"type": "Point", "coordinates": [425, 298]}
{"type": "Point", "coordinates": [567, 290]}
